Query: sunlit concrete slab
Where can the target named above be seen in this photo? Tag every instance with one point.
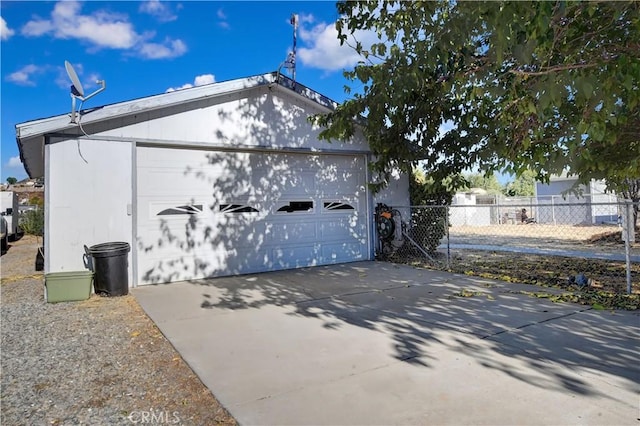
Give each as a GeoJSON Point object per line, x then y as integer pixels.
{"type": "Point", "coordinates": [376, 343]}
{"type": "Point", "coordinates": [453, 390]}
{"type": "Point", "coordinates": [258, 353]}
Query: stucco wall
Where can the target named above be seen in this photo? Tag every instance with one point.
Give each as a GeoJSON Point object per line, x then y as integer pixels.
{"type": "Point", "coordinates": [88, 202]}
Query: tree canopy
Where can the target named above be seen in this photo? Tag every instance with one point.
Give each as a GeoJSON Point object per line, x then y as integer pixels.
{"type": "Point", "coordinates": [508, 86]}
{"type": "Point", "coordinates": [522, 186]}
{"type": "Point", "coordinates": [489, 183]}
{"type": "Point", "coordinates": [11, 180]}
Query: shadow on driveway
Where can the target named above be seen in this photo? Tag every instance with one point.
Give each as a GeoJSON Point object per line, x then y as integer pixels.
{"type": "Point", "coordinates": [354, 324]}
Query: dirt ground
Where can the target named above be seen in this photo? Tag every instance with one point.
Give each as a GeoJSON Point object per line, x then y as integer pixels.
{"type": "Point", "coordinates": [543, 231]}
{"type": "Point", "coordinates": [118, 364]}
{"type": "Point", "coordinates": [595, 238]}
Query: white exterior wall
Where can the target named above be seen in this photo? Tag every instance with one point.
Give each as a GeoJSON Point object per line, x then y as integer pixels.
{"type": "Point", "coordinates": [87, 202]}
{"type": "Point", "coordinates": [586, 211]}
{"type": "Point", "coordinates": [259, 118]}
{"type": "Point", "coordinates": [554, 188]}
{"type": "Point", "coordinates": [396, 194]}
{"type": "Point", "coordinates": [552, 193]}
{"type": "Point", "coordinates": [600, 212]}
{"type": "Point", "coordinates": [466, 211]}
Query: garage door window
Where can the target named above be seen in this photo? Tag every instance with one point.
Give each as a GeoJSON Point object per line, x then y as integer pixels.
{"type": "Point", "coordinates": [337, 205]}
{"type": "Point", "coordinates": [237, 208]}
{"type": "Point", "coordinates": [297, 207]}
{"type": "Point", "coordinates": [180, 210]}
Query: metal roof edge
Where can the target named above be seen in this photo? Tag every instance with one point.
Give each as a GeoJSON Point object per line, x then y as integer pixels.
{"type": "Point", "coordinates": [306, 92]}
{"type": "Point", "coordinates": [61, 122]}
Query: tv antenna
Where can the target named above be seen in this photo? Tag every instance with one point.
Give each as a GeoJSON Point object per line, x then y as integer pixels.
{"type": "Point", "coordinates": [77, 91]}
{"type": "Point", "coordinates": [290, 62]}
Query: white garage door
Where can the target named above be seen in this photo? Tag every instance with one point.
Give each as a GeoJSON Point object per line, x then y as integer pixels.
{"type": "Point", "coordinates": [212, 213]}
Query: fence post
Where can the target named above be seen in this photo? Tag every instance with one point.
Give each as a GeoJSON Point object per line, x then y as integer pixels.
{"type": "Point", "coordinates": [447, 212]}
{"type": "Point", "coordinates": [628, 236]}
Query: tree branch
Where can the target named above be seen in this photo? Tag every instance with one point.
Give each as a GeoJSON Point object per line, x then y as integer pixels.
{"type": "Point", "coordinates": [554, 69]}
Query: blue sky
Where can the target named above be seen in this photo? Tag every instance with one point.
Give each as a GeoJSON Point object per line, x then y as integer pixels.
{"type": "Point", "coordinates": [148, 47]}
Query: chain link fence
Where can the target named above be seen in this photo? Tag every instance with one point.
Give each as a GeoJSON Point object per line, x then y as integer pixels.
{"type": "Point", "coordinates": [577, 243]}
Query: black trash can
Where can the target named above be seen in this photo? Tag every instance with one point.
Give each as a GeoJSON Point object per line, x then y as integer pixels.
{"type": "Point", "coordinates": [110, 263]}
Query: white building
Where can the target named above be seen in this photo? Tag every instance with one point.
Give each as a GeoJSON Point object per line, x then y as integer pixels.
{"type": "Point", "coordinates": [215, 180]}
{"type": "Point", "coordinates": [467, 211]}
{"type": "Point", "coordinates": [564, 201]}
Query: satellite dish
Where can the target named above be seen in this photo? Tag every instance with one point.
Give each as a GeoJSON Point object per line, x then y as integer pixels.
{"type": "Point", "coordinates": [75, 81]}
{"type": "Point", "coordinates": [77, 91]}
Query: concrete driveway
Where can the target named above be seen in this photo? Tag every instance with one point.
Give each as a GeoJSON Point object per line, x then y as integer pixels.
{"type": "Point", "coordinates": [376, 343]}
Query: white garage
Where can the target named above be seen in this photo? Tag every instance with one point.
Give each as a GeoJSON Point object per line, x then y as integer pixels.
{"type": "Point", "coordinates": [223, 179]}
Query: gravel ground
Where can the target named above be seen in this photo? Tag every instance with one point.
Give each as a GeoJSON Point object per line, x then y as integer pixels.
{"type": "Point", "coordinates": [99, 361]}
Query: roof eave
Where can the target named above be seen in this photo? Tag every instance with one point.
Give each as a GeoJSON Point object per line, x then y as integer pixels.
{"type": "Point", "coordinates": [32, 132]}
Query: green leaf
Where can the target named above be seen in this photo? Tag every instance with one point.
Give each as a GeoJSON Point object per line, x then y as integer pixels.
{"type": "Point", "coordinates": [521, 85]}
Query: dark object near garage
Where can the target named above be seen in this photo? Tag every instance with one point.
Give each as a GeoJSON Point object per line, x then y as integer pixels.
{"type": "Point", "coordinates": [40, 259]}
{"type": "Point", "coordinates": [110, 264]}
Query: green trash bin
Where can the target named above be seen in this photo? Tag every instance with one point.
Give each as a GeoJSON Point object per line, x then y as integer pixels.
{"type": "Point", "coordinates": [67, 286]}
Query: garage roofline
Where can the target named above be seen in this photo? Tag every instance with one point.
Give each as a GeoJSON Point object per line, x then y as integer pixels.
{"type": "Point", "coordinates": [30, 135]}
{"type": "Point", "coordinates": [60, 123]}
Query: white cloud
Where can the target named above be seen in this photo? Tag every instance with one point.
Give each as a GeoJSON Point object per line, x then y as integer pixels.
{"type": "Point", "coordinates": [222, 19]}
{"type": "Point", "coordinates": [203, 79]}
{"type": "Point", "coordinates": [103, 29]}
{"type": "Point", "coordinates": [325, 51]}
{"type": "Point", "coordinates": [91, 79]}
{"type": "Point", "coordinates": [306, 18]}
{"type": "Point", "coordinates": [184, 86]}
{"type": "Point", "coordinates": [168, 49]}
{"type": "Point", "coordinates": [37, 28]}
{"type": "Point", "coordinates": [5, 31]}
{"type": "Point", "coordinates": [23, 76]}
{"type": "Point", "coordinates": [159, 10]}
{"type": "Point", "coordinates": [200, 80]}
{"type": "Point", "coordinates": [14, 162]}
{"type": "Point", "coordinates": [13, 167]}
